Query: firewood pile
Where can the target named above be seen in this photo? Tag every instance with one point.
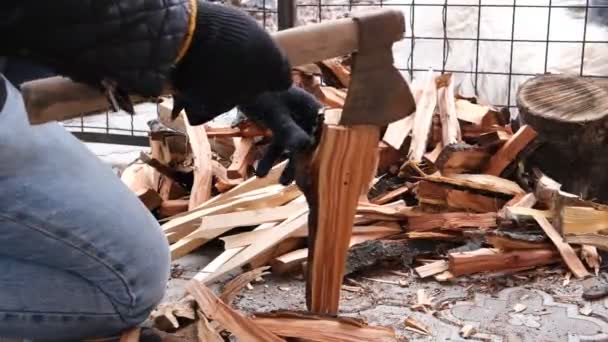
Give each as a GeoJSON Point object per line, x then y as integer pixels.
{"type": "Point", "coordinates": [454, 172]}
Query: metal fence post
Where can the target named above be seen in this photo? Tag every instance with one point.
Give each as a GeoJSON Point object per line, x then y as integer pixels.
{"type": "Point", "coordinates": [287, 13]}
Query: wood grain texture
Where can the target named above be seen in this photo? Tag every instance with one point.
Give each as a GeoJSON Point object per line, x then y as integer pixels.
{"type": "Point", "coordinates": [242, 327]}
{"type": "Point", "coordinates": [423, 117]}
{"type": "Point", "coordinates": [201, 149]}
{"type": "Point", "coordinates": [510, 150]}
{"type": "Point", "coordinates": [488, 260]}
{"type": "Point", "coordinates": [339, 171]}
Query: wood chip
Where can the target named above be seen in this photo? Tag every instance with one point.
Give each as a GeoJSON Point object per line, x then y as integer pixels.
{"type": "Point", "coordinates": [415, 326]}
{"type": "Point", "coordinates": [467, 331]}
{"type": "Point", "coordinates": [232, 289]}
{"type": "Point", "coordinates": [205, 332]}
{"type": "Point", "coordinates": [519, 307]}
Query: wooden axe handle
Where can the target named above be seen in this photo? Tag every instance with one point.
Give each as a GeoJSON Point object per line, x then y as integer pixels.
{"type": "Point", "coordinates": [58, 98]}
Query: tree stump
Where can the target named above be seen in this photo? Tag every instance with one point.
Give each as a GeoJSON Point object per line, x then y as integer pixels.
{"type": "Point", "coordinates": [570, 115]}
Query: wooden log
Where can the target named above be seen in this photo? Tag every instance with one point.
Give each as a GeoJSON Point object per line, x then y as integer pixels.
{"type": "Point", "coordinates": [488, 260]}
{"type": "Point", "coordinates": [572, 131]}
{"type": "Point", "coordinates": [423, 117]}
{"type": "Point", "coordinates": [451, 221]}
{"type": "Point", "coordinates": [508, 153]}
{"type": "Point", "coordinates": [339, 171]}
{"type": "Point", "coordinates": [467, 200]}
{"type": "Point", "coordinates": [462, 158]}
{"type": "Point", "coordinates": [450, 128]}
{"type": "Point", "coordinates": [308, 327]}
{"type": "Point", "coordinates": [242, 327]}
{"type": "Point", "coordinates": [241, 159]}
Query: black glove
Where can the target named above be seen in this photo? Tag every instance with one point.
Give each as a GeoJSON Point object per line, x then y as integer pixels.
{"type": "Point", "coordinates": [291, 116]}
{"type": "Point", "coordinates": [231, 60]}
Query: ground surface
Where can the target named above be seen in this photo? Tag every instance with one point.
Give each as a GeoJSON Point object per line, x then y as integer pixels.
{"type": "Point", "coordinates": [554, 311]}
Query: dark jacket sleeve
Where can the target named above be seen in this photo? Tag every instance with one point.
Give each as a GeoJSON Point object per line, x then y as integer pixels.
{"type": "Point", "coordinates": [134, 43]}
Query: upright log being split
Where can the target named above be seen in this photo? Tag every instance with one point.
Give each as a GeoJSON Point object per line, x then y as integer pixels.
{"type": "Point", "coordinates": [339, 170]}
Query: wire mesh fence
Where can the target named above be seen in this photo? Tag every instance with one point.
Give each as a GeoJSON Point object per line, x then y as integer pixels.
{"type": "Point", "coordinates": [491, 46]}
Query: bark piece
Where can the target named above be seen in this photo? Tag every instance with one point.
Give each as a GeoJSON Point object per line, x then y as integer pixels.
{"type": "Point", "coordinates": [505, 242]}
{"type": "Point", "coordinates": [462, 158]}
{"type": "Point", "coordinates": [242, 327]}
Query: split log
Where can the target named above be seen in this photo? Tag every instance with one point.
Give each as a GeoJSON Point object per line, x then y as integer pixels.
{"type": "Point", "coordinates": [585, 225]}
{"type": "Point", "coordinates": [462, 158]}
{"type": "Point", "coordinates": [570, 258]}
{"type": "Point", "coordinates": [391, 195]}
{"type": "Point", "coordinates": [339, 171]}
{"type": "Point", "coordinates": [423, 117]}
{"type": "Point", "coordinates": [444, 195]}
{"type": "Point", "coordinates": [450, 128]}
{"type": "Point", "coordinates": [505, 242]}
{"type": "Point", "coordinates": [487, 183]}
{"type": "Point", "coordinates": [222, 182]}
{"type": "Point", "coordinates": [451, 221]}
{"type": "Point", "coordinates": [186, 220]}
{"type": "Point", "coordinates": [288, 245]}
{"type": "Point", "coordinates": [572, 131]}
{"type": "Point", "coordinates": [139, 178]}
{"type": "Point", "coordinates": [488, 260]}
{"type": "Point", "coordinates": [509, 152]}
{"type": "Point", "coordinates": [201, 188]}
{"type": "Point", "coordinates": [398, 131]}
{"type": "Point", "coordinates": [213, 224]}
{"type": "Point", "coordinates": [471, 112]}
{"type": "Point", "coordinates": [242, 327]}
{"type": "Point", "coordinates": [192, 239]}
{"type": "Point", "coordinates": [432, 268]}
{"type": "Point", "coordinates": [493, 139]}
{"type": "Point", "coordinates": [308, 327]}
{"type": "Point", "coordinates": [247, 254]}
{"type": "Point", "coordinates": [431, 235]}
{"type": "Point", "coordinates": [241, 159]}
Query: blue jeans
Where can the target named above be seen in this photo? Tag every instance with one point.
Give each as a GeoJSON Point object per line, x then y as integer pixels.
{"type": "Point", "coordinates": [80, 256]}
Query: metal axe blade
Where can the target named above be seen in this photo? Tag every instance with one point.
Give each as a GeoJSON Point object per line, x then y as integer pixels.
{"type": "Point", "coordinates": [378, 94]}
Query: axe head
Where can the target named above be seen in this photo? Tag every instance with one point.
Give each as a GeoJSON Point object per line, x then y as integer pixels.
{"type": "Point", "coordinates": [377, 94]}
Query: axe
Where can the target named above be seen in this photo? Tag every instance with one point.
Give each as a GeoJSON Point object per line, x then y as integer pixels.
{"type": "Point", "coordinates": [378, 94]}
